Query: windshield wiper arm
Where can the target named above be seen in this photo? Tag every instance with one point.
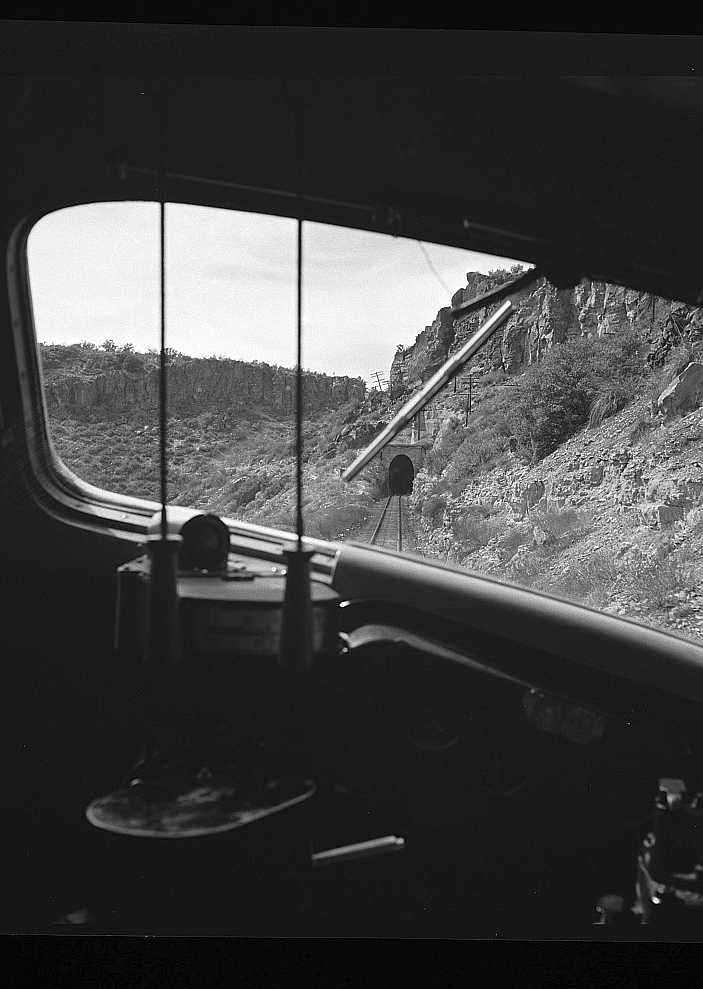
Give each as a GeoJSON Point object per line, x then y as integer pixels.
{"type": "Point", "coordinates": [450, 367]}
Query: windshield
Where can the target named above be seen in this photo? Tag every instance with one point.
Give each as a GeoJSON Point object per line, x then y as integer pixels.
{"type": "Point", "coordinates": [566, 456]}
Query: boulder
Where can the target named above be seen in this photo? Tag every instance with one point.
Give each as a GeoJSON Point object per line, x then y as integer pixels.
{"type": "Point", "coordinates": [531, 494]}
{"type": "Point", "coordinates": [684, 489]}
{"type": "Point", "coordinates": [657, 514]}
{"type": "Point", "coordinates": [684, 393]}
{"type": "Point", "coordinates": [595, 475]}
{"type": "Point", "coordinates": [629, 486]}
{"type": "Point", "coordinates": [542, 536]}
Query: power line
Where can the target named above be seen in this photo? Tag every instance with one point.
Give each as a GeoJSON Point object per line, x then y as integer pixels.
{"type": "Point", "coordinates": [433, 269]}
{"type": "Point", "coordinates": [380, 379]}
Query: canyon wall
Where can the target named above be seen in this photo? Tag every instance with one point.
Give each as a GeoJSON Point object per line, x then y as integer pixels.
{"type": "Point", "coordinates": [197, 385]}
{"type": "Point", "coordinates": [544, 316]}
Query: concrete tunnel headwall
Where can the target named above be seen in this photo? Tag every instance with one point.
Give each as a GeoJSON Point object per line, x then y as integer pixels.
{"type": "Point", "coordinates": [402, 461]}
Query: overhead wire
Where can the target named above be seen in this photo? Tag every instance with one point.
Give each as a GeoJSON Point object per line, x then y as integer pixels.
{"type": "Point", "coordinates": [432, 268]}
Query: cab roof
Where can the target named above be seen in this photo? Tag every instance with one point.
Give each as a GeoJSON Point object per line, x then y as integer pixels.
{"type": "Point", "coordinates": [579, 153]}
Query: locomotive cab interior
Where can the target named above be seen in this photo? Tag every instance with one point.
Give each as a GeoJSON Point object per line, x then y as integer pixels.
{"type": "Point", "coordinates": [469, 758]}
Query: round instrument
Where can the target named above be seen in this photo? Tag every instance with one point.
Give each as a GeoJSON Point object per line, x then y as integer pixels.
{"type": "Point", "coordinates": [205, 543]}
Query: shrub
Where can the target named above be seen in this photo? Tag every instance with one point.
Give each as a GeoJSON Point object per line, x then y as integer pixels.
{"type": "Point", "coordinates": [642, 426]}
{"type": "Point", "coordinates": [433, 507]}
{"type": "Point", "coordinates": [477, 453]}
{"type": "Point", "coordinates": [524, 569]}
{"type": "Point", "coordinates": [513, 540]}
{"type": "Point", "coordinates": [589, 580]}
{"type": "Point", "coordinates": [375, 481]}
{"type": "Point", "coordinates": [494, 377]}
{"type": "Point", "coordinates": [131, 362]}
{"type": "Point", "coordinates": [655, 579]}
{"type": "Point", "coordinates": [553, 400]}
{"type": "Point", "coordinates": [336, 521]}
{"type": "Point", "coordinates": [435, 462]}
{"type": "Point", "coordinates": [605, 404]}
{"type": "Point", "coordinates": [535, 413]}
{"type": "Point", "coordinates": [450, 436]}
{"type": "Point", "coordinates": [474, 532]}
{"type": "Point", "coordinates": [562, 522]}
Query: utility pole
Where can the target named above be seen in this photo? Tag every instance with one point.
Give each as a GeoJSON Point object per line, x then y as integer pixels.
{"type": "Point", "coordinates": [377, 375]}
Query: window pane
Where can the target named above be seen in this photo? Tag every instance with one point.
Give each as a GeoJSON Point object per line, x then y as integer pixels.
{"type": "Point", "coordinates": [566, 457]}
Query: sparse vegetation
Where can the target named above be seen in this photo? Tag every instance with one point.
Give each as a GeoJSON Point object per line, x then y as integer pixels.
{"type": "Point", "coordinates": [566, 525]}
{"type": "Point", "coordinates": [605, 404]}
{"type": "Point", "coordinates": [476, 453]}
{"type": "Point", "coordinates": [510, 543]}
{"type": "Point", "coordinates": [473, 531]}
{"type": "Point", "coordinates": [219, 460]}
{"type": "Point", "coordinates": [577, 382]}
{"type": "Point", "coordinates": [523, 569]}
{"type": "Point", "coordinates": [555, 398]}
{"type": "Point", "coordinates": [338, 520]}
{"type": "Point", "coordinates": [589, 580]}
{"type": "Point", "coordinates": [433, 507]}
{"type": "Point", "coordinates": [656, 578]}
{"type": "Point", "coordinates": [375, 481]}
{"type": "Point", "coordinates": [641, 428]}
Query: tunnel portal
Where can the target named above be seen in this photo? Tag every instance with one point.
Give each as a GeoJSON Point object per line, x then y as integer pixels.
{"type": "Point", "coordinates": [401, 475]}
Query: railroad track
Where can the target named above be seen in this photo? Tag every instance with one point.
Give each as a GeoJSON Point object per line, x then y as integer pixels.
{"type": "Point", "coordinates": [391, 530]}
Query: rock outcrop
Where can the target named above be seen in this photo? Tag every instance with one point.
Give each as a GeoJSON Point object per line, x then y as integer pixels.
{"type": "Point", "coordinates": [543, 317]}
{"type": "Point", "coordinates": [684, 393]}
{"type": "Point", "coordinates": [197, 385]}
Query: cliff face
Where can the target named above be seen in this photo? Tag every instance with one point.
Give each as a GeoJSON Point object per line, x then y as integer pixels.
{"type": "Point", "coordinates": [198, 385]}
{"type": "Point", "coordinates": [543, 317]}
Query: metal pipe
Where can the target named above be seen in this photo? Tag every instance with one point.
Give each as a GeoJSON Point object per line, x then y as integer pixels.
{"type": "Point", "coordinates": [362, 850]}
{"type": "Point", "coordinates": [429, 390]}
{"type": "Point", "coordinates": [380, 521]}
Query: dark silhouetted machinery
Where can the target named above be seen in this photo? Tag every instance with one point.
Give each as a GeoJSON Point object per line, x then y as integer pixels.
{"type": "Point", "coordinates": [295, 737]}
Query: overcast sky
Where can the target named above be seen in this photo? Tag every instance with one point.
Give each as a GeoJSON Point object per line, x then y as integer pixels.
{"type": "Point", "coordinates": [231, 285]}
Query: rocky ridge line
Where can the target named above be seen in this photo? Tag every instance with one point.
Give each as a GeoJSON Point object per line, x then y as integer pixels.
{"type": "Point", "coordinates": [544, 317]}
{"type": "Point", "coordinates": [196, 385]}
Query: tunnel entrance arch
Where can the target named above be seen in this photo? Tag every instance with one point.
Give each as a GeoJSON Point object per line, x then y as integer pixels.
{"type": "Point", "coordinates": [401, 474]}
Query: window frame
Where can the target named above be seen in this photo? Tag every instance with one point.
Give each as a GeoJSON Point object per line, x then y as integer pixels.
{"type": "Point", "coordinates": [52, 485]}
{"type": "Point", "coordinates": [70, 500]}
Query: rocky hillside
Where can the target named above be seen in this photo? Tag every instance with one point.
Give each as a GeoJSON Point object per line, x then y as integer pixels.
{"type": "Point", "coordinates": [544, 317]}
{"type": "Point", "coordinates": [579, 470]}
{"type": "Point", "coordinates": [612, 519]}
{"type": "Point", "coordinates": [230, 435]}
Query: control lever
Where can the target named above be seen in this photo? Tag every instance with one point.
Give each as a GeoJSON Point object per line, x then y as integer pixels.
{"type": "Point", "coordinates": [361, 850]}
